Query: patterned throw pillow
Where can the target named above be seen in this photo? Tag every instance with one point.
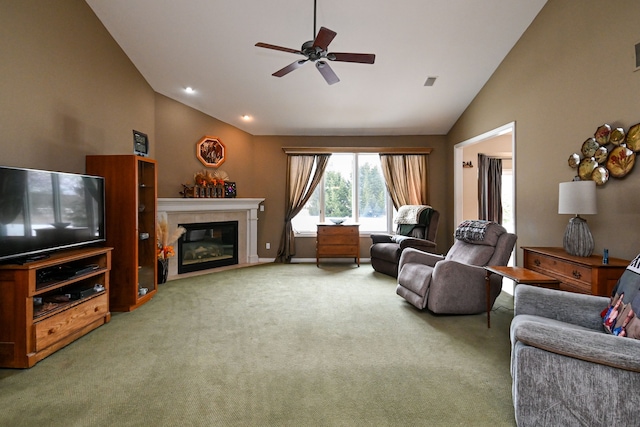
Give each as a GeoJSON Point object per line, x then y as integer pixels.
{"type": "Point", "coordinates": [621, 317]}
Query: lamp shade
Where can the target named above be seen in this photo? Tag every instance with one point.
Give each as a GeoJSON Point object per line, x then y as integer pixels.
{"type": "Point", "coordinates": [577, 198]}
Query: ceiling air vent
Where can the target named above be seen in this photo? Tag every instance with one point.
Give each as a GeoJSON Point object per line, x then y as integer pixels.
{"type": "Point", "coordinates": [430, 81]}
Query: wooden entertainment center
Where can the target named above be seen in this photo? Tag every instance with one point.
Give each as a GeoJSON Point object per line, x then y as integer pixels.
{"type": "Point", "coordinates": [49, 303]}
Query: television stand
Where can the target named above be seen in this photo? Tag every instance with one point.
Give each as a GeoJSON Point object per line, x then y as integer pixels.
{"type": "Point", "coordinates": [34, 258]}
{"type": "Point", "coordinates": [40, 313]}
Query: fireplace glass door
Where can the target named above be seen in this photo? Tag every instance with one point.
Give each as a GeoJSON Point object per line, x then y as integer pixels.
{"type": "Point", "coordinates": [208, 245]}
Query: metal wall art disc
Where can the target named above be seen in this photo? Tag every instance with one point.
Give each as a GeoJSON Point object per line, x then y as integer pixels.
{"type": "Point", "coordinates": [589, 147]}
{"type": "Point", "coordinates": [587, 165]}
{"type": "Point", "coordinates": [633, 138]}
{"type": "Point", "coordinates": [620, 162]}
{"type": "Point", "coordinates": [600, 175]}
{"type": "Point", "coordinates": [574, 160]}
{"type": "Point", "coordinates": [617, 136]}
{"type": "Point", "coordinates": [601, 155]}
{"type": "Point", "coordinates": [602, 134]}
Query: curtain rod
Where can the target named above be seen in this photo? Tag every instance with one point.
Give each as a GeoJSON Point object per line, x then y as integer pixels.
{"type": "Point", "coordinates": [504, 157]}
{"type": "Point", "coordinates": [377, 150]}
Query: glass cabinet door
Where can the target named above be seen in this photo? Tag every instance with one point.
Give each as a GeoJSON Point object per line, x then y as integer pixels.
{"type": "Point", "coordinates": [147, 244]}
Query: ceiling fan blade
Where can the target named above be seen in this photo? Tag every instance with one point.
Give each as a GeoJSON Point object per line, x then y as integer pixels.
{"type": "Point", "coordinates": [362, 58]}
{"type": "Point", "coordinates": [274, 47]}
{"type": "Point", "coordinates": [289, 68]}
{"type": "Point", "coordinates": [327, 72]}
{"type": "Point", "coordinates": [324, 37]}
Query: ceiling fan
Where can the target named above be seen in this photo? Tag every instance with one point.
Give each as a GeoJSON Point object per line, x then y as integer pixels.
{"type": "Point", "coordinates": [316, 51]}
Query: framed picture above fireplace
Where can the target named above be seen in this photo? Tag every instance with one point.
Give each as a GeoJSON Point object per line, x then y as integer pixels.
{"type": "Point", "coordinates": [211, 151]}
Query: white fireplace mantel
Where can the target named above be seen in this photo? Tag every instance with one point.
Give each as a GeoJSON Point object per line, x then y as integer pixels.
{"type": "Point", "coordinates": [199, 206]}
{"type": "Point", "coordinates": [179, 204]}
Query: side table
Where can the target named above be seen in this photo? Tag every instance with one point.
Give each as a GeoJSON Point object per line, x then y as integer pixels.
{"type": "Point", "coordinates": [518, 275]}
{"type": "Point", "coordinates": [338, 241]}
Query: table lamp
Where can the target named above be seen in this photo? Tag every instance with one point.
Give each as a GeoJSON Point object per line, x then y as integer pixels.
{"type": "Point", "coordinates": [578, 198]}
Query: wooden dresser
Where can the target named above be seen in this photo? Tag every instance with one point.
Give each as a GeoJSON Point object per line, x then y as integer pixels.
{"type": "Point", "coordinates": [587, 275]}
{"type": "Point", "coordinates": [338, 241]}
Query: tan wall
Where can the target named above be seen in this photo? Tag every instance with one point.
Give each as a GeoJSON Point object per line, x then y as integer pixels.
{"type": "Point", "coordinates": [258, 165]}
{"type": "Point", "coordinates": [67, 89]}
{"type": "Point", "coordinates": [271, 181]}
{"type": "Point", "coordinates": [178, 130]}
{"type": "Point", "coordinates": [570, 72]}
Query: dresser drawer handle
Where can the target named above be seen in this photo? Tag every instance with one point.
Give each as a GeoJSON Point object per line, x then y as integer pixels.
{"type": "Point", "coordinates": [536, 262]}
{"type": "Point", "coordinates": [577, 274]}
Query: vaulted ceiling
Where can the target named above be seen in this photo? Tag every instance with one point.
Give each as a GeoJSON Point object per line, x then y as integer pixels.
{"type": "Point", "coordinates": [209, 45]}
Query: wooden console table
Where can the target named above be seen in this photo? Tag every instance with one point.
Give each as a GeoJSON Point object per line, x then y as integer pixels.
{"type": "Point", "coordinates": [587, 275]}
{"type": "Point", "coordinates": [338, 241]}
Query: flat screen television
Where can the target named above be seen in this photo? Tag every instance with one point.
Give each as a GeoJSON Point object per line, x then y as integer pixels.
{"type": "Point", "coordinates": [44, 211]}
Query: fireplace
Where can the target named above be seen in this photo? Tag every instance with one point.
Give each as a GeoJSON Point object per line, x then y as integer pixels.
{"type": "Point", "coordinates": [190, 211]}
{"type": "Point", "coordinates": [208, 245]}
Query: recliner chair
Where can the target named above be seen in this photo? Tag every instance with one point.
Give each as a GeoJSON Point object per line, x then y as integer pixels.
{"type": "Point", "coordinates": [455, 283]}
{"type": "Point", "coordinates": [386, 248]}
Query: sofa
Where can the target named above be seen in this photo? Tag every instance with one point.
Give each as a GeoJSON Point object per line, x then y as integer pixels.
{"type": "Point", "coordinates": [567, 370]}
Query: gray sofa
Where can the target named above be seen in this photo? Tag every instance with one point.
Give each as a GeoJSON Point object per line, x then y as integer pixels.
{"type": "Point", "coordinates": [566, 370]}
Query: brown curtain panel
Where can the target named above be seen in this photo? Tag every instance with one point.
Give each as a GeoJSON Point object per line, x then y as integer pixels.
{"type": "Point", "coordinates": [489, 188]}
{"type": "Point", "coordinates": [406, 178]}
{"type": "Point", "coordinates": [303, 175]}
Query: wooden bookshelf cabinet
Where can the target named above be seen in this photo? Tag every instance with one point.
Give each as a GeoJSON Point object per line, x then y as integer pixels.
{"type": "Point", "coordinates": [338, 241]}
{"type": "Point", "coordinates": [44, 306]}
{"type": "Point", "coordinates": [131, 204]}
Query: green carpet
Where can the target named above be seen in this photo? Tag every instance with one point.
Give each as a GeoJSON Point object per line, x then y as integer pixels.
{"type": "Point", "coordinates": [282, 345]}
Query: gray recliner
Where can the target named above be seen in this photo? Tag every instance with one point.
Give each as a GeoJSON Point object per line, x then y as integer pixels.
{"type": "Point", "coordinates": [455, 283]}
{"type": "Point", "coordinates": [566, 370]}
{"type": "Point", "coordinates": [386, 248]}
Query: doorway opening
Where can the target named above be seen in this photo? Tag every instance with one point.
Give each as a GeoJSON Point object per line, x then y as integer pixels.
{"type": "Point", "coordinates": [499, 142]}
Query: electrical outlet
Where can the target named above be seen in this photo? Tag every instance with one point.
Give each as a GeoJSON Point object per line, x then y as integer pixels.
{"type": "Point", "coordinates": [261, 208]}
{"type": "Point", "coordinates": [268, 245]}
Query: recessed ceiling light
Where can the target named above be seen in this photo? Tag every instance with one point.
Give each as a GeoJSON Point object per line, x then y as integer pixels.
{"type": "Point", "coordinates": [246, 117]}
{"type": "Point", "coordinates": [189, 90]}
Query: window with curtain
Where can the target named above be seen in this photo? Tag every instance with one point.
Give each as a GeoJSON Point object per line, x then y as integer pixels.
{"type": "Point", "coordinates": [406, 177]}
{"type": "Point", "coordinates": [353, 188]}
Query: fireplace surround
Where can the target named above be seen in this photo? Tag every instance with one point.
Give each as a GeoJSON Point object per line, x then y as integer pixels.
{"type": "Point", "coordinates": [192, 211]}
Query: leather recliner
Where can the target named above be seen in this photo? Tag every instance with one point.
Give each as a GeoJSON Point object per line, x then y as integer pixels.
{"type": "Point", "coordinates": [386, 248]}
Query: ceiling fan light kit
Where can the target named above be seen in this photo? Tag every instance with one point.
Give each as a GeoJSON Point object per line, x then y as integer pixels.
{"type": "Point", "coordinates": [316, 51]}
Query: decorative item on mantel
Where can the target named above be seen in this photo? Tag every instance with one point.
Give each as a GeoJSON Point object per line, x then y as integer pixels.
{"type": "Point", "coordinates": [166, 239]}
{"type": "Point", "coordinates": [609, 153]}
{"type": "Point", "coordinates": [209, 184]}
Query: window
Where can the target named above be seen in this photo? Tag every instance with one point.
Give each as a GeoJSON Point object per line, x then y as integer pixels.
{"type": "Point", "coordinates": [352, 188]}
